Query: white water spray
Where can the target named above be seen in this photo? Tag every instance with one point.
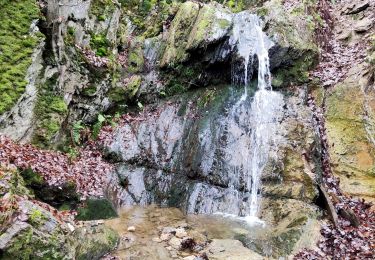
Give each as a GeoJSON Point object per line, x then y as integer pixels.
{"type": "Point", "coordinates": [249, 41]}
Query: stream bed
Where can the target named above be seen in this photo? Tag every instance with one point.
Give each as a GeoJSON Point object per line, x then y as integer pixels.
{"type": "Point", "coordinates": [143, 233]}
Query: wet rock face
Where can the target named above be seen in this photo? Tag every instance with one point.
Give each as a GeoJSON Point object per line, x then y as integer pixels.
{"type": "Point", "coordinates": [194, 155]}
{"type": "Point", "coordinates": [350, 128]}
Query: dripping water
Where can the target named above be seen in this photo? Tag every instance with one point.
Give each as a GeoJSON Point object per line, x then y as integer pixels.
{"type": "Point", "coordinates": [249, 40]}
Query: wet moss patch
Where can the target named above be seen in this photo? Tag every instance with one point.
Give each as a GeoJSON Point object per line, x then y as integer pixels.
{"type": "Point", "coordinates": [96, 209]}
{"type": "Point", "coordinates": [16, 48]}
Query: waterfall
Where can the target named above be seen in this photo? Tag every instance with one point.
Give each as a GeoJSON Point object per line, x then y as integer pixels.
{"type": "Point", "coordinates": [249, 40]}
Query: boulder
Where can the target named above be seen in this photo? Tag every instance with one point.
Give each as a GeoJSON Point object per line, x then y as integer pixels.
{"type": "Point", "coordinates": [350, 121]}
{"type": "Point", "coordinates": [33, 229]}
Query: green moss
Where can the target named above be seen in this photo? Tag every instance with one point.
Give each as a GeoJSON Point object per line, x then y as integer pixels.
{"type": "Point", "coordinates": [32, 178]}
{"type": "Point", "coordinates": [288, 238]}
{"type": "Point", "coordinates": [297, 72]}
{"type": "Point", "coordinates": [16, 48]}
{"type": "Point", "coordinates": [16, 183]}
{"type": "Point", "coordinates": [89, 90]}
{"type": "Point", "coordinates": [122, 94]}
{"type": "Point", "coordinates": [206, 98]}
{"type": "Point", "coordinates": [148, 16]}
{"type": "Point", "coordinates": [298, 222]}
{"type": "Point", "coordinates": [179, 30]}
{"type": "Point", "coordinates": [27, 245]}
{"type": "Point", "coordinates": [50, 111]}
{"type": "Point", "coordinates": [96, 209]}
{"type": "Point", "coordinates": [135, 57]}
{"type": "Point", "coordinates": [101, 8]}
{"type": "Point", "coordinates": [100, 44]}
{"type": "Point", "coordinates": [180, 78]}
{"type": "Point", "coordinates": [20, 248]}
{"type": "Point", "coordinates": [94, 244]}
{"type": "Point", "coordinates": [36, 217]}
{"type": "Point", "coordinates": [262, 11]}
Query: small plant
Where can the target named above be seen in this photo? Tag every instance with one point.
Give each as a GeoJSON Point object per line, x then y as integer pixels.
{"type": "Point", "coordinates": [98, 125]}
{"type": "Point", "coordinates": [72, 153]}
{"type": "Point", "coordinates": [76, 132]}
{"type": "Point", "coordinates": [36, 217]}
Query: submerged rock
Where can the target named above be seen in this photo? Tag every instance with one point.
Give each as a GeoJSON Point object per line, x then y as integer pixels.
{"type": "Point", "coordinates": [221, 249]}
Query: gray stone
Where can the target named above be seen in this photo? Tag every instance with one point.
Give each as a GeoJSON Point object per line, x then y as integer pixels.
{"type": "Point", "coordinates": [364, 25]}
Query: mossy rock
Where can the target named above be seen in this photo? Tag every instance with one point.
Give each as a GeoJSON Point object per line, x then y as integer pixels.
{"type": "Point", "coordinates": [16, 48]}
{"type": "Point", "coordinates": [212, 23]}
{"type": "Point", "coordinates": [349, 122]}
{"type": "Point", "coordinates": [93, 242]}
{"type": "Point", "coordinates": [178, 34]}
{"type": "Point", "coordinates": [136, 60]}
{"type": "Point", "coordinates": [96, 209]}
{"type": "Point", "coordinates": [12, 182]}
{"type": "Point", "coordinates": [53, 195]}
{"type": "Point", "coordinates": [40, 237]}
{"type": "Point", "coordinates": [50, 111]}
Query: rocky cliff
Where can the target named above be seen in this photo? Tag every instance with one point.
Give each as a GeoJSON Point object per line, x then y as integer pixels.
{"type": "Point", "coordinates": [155, 85]}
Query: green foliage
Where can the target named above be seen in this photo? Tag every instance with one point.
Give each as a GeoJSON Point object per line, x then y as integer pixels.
{"type": "Point", "coordinates": [100, 43]}
{"type": "Point", "coordinates": [36, 217]}
{"type": "Point", "coordinates": [181, 78]}
{"type": "Point", "coordinates": [96, 209]}
{"type": "Point", "coordinates": [72, 152]}
{"type": "Point", "coordinates": [71, 30]}
{"type": "Point", "coordinates": [98, 125]}
{"type": "Point", "coordinates": [16, 48]}
{"type": "Point", "coordinates": [76, 132]}
{"type": "Point", "coordinates": [101, 8]}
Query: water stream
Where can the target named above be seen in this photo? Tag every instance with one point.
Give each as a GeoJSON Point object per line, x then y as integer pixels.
{"type": "Point", "coordinates": [250, 41]}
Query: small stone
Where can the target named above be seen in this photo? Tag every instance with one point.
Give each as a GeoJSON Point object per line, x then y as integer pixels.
{"type": "Point", "coordinates": [71, 227]}
{"type": "Point", "coordinates": [156, 239]}
{"type": "Point", "coordinates": [174, 254]}
{"type": "Point", "coordinates": [355, 8]}
{"type": "Point", "coordinates": [169, 248]}
{"type": "Point", "coordinates": [191, 257]}
{"type": "Point", "coordinates": [165, 236]}
{"type": "Point", "coordinates": [180, 233]}
{"type": "Point", "coordinates": [167, 230]}
{"type": "Point", "coordinates": [175, 242]}
{"type": "Point", "coordinates": [131, 229]}
{"type": "Point", "coordinates": [363, 25]}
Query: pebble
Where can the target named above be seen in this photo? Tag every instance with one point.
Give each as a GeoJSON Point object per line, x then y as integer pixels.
{"type": "Point", "coordinates": [156, 239]}
{"type": "Point", "coordinates": [71, 227]}
{"type": "Point", "coordinates": [174, 254]}
{"type": "Point", "coordinates": [169, 230]}
{"type": "Point", "coordinates": [191, 257]}
{"type": "Point", "coordinates": [180, 233]}
{"type": "Point", "coordinates": [131, 228]}
{"type": "Point", "coordinates": [175, 242]}
{"type": "Point", "coordinates": [165, 236]}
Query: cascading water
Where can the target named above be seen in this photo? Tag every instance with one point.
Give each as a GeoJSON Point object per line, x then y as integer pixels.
{"type": "Point", "coordinates": [218, 158]}
{"type": "Point", "coordinates": [249, 40]}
